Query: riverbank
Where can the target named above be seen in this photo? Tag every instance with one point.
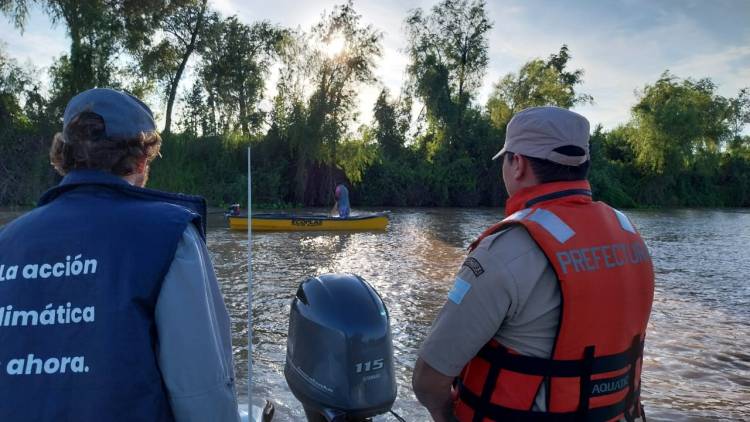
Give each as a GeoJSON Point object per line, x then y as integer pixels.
{"type": "Point", "coordinates": [216, 168]}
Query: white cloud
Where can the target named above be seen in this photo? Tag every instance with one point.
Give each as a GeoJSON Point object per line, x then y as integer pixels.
{"type": "Point", "coordinates": [222, 6]}
{"type": "Point", "coordinates": [619, 53]}
{"type": "Point", "coordinates": [731, 64]}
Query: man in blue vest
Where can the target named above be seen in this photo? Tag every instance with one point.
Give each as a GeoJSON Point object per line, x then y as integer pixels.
{"type": "Point", "coordinates": [109, 306]}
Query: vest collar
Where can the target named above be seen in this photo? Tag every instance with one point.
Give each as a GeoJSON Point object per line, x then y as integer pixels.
{"type": "Point", "coordinates": [579, 190]}
{"type": "Point", "coordinates": [87, 177]}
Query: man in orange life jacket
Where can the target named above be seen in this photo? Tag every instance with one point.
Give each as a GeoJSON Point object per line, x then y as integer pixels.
{"type": "Point", "coordinates": [548, 313]}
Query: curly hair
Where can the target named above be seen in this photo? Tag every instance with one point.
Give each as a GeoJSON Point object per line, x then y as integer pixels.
{"type": "Point", "coordinates": [84, 145]}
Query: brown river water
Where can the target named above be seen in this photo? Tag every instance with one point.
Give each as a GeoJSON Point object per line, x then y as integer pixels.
{"type": "Point", "coordinates": [697, 356]}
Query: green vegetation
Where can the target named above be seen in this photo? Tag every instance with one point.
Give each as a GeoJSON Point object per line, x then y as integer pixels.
{"type": "Point", "coordinates": [428, 145]}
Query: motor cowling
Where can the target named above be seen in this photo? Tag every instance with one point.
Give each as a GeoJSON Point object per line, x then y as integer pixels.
{"type": "Point", "coordinates": [339, 360]}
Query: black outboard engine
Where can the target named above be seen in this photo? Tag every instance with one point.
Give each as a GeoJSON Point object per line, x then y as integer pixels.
{"type": "Point", "coordinates": [339, 355]}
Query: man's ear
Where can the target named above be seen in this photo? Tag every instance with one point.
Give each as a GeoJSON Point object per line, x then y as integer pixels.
{"type": "Point", "coordinates": [520, 167]}
{"type": "Point", "coordinates": [140, 165]}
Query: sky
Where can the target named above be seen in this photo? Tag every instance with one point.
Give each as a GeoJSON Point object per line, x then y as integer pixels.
{"type": "Point", "coordinates": [621, 45]}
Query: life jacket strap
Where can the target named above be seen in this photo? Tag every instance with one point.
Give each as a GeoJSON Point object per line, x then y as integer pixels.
{"type": "Point", "coordinates": [584, 393]}
{"type": "Point", "coordinates": [500, 358]}
{"type": "Point", "coordinates": [633, 403]}
{"type": "Point", "coordinates": [529, 365]}
{"type": "Point", "coordinates": [483, 409]}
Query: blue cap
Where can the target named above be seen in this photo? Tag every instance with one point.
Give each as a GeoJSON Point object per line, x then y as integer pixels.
{"type": "Point", "coordinates": [125, 117]}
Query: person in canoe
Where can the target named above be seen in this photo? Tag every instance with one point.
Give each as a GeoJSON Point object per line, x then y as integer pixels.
{"type": "Point", "coordinates": [341, 206]}
{"type": "Point", "coordinates": [548, 313]}
{"type": "Point", "coordinates": [113, 308]}
{"type": "Point", "coordinates": [233, 211]}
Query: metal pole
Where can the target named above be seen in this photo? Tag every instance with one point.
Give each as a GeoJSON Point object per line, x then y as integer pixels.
{"type": "Point", "coordinates": [249, 285]}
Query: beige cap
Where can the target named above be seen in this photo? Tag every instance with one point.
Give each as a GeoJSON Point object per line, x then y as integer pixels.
{"type": "Point", "coordinates": [537, 131]}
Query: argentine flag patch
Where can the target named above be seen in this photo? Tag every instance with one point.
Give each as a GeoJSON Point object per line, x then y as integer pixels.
{"type": "Point", "coordinates": [459, 290]}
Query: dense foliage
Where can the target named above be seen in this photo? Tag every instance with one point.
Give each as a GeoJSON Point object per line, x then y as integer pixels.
{"type": "Point", "coordinates": [428, 145]}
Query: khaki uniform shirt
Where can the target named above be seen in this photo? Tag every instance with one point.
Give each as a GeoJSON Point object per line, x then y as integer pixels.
{"type": "Point", "coordinates": [506, 290]}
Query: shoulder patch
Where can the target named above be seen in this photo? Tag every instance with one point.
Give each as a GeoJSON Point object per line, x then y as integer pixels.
{"type": "Point", "coordinates": [459, 290]}
{"type": "Point", "coordinates": [474, 265]}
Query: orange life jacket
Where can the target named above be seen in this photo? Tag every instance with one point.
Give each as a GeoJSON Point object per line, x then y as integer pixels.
{"type": "Point", "coordinates": [606, 283]}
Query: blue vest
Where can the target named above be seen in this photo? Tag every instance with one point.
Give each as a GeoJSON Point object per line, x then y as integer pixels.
{"type": "Point", "coordinates": [79, 279]}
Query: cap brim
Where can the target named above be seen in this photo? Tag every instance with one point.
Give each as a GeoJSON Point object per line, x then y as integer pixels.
{"type": "Point", "coordinates": [499, 154]}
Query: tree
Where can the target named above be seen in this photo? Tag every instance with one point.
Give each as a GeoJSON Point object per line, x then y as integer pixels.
{"type": "Point", "coordinates": [14, 83]}
{"type": "Point", "coordinates": [98, 31]}
{"type": "Point", "coordinates": [356, 155]}
{"type": "Point", "coordinates": [183, 25]}
{"type": "Point", "coordinates": [448, 54]}
{"type": "Point", "coordinates": [538, 83]}
{"type": "Point", "coordinates": [320, 76]}
{"type": "Point", "coordinates": [236, 60]}
{"type": "Point", "coordinates": [344, 53]}
{"type": "Point", "coordinates": [739, 116]}
{"type": "Point", "coordinates": [194, 119]}
{"type": "Point", "coordinates": [391, 122]}
{"type": "Point", "coordinates": [675, 119]}
{"type": "Point", "coordinates": [25, 131]}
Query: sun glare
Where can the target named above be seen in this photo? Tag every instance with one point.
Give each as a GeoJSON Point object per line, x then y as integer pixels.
{"type": "Point", "coordinates": [335, 46]}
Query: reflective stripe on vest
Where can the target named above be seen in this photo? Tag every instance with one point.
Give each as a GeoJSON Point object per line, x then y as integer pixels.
{"type": "Point", "coordinates": [518, 215]}
{"type": "Point", "coordinates": [552, 223]}
{"type": "Point", "coordinates": [624, 221]}
{"type": "Point", "coordinates": [547, 219]}
{"type": "Point", "coordinates": [555, 226]}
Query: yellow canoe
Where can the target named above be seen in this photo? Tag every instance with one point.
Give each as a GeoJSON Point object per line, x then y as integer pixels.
{"type": "Point", "coordinates": [289, 222]}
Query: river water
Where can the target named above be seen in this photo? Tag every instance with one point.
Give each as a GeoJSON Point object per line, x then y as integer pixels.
{"type": "Point", "coordinates": [697, 356]}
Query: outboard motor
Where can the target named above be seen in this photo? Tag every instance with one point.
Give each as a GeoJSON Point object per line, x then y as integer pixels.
{"type": "Point", "coordinates": [339, 354]}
